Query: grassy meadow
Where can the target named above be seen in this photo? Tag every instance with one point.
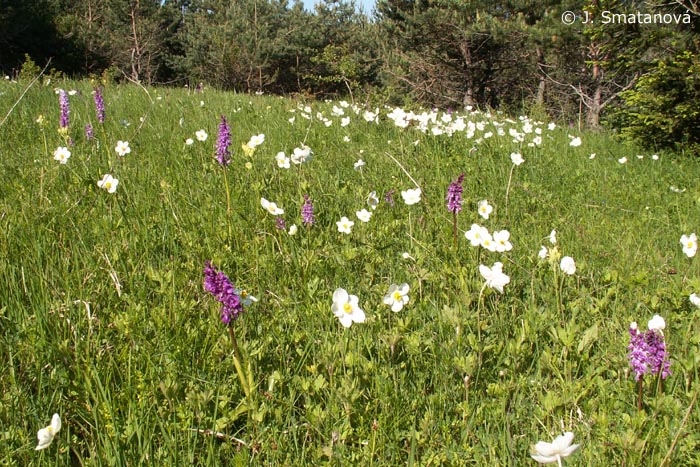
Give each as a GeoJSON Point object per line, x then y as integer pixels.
{"type": "Point", "coordinates": [104, 318]}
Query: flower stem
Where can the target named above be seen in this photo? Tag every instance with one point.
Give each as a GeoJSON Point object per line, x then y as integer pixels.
{"type": "Point", "coordinates": [510, 177]}
{"type": "Point", "coordinates": [238, 363]}
{"type": "Point", "coordinates": [228, 204]}
{"type": "Point", "coordinates": [478, 327]}
{"type": "Point", "coordinates": [454, 229]}
{"type": "Point", "coordinates": [478, 316]}
{"type": "Point", "coordinates": [639, 392]}
{"type": "Point", "coordinates": [557, 287]}
{"type": "Point", "coordinates": [660, 381]}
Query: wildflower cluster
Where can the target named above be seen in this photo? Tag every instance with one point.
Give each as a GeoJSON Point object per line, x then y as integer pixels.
{"type": "Point", "coordinates": [480, 236]}
{"type": "Point", "coordinates": [647, 351]}
{"type": "Point", "coordinates": [454, 195]}
{"type": "Point", "coordinates": [223, 141]}
{"type": "Point", "coordinates": [99, 105]}
{"type": "Point", "coordinates": [389, 197]}
{"type": "Point", "coordinates": [65, 109]}
{"type": "Point", "coordinates": [567, 263]}
{"type": "Point", "coordinates": [347, 309]}
{"type": "Point", "coordinates": [220, 286]}
{"type": "Point", "coordinates": [307, 211]}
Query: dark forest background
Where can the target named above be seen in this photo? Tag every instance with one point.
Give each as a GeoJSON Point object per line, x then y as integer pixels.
{"type": "Point", "coordinates": [517, 56]}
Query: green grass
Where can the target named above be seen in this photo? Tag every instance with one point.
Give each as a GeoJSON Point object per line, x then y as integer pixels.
{"type": "Point", "coordinates": [104, 318]}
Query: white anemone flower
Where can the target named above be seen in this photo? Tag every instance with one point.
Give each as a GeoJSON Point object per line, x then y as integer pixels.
{"type": "Point", "coordinates": [495, 278]}
{"type": "Point", "coordinates": [201, 135]}
{"type": "Point", "coordinates": [502, 240]}
{"type": "Point", "coordinates": [301, 155]}
{"type": "Point", "coordinates": [346, 308]}
{"type": "Point", "coordinates": [549, 453]}
{"type": "Point", "coordinates": [271, 207]}
{"type": "Point", "coordinates": [108, 183]}
{"type": "Point", "coordinates": [695, 300]}
{"type": "Point", "coordinates": [345, 225]}
{"type": "Point", "coordinates": [246, 298]}
{"type": "Point", "coordinates": [476, 234]}
{"type": "Point", "coordinates": [487, 241]}
{"type": "Point", "coordinates": [690, 244]}
{"type": "Point", "coordinates": [46, 435]}
{"type": "Point", "coordinates": [485, 208]}
{"type": "Point", "coordinates": [256, 140]}
{"type": "Point", "coordinates": [397, 297]}
{"type": "Point", "coordinates": [122, 148]}
{"type": "Point", "coordinates": [656, 323]}
{"type": "Point", "coordinates": [516, 158]}
{"type": "Point", "coordinates": [364, 215]}
{"type": "Point", "coordinates": [568, 265]}
{"type": "Point", "coordinates": [373, 200]}
{"type": "Point", "coordinates": [359, 164]}
{"type": "Point", "coordinates": [411, 196]}
{"type": "Point", "coordinates": [282, 160]}
{"type": "Point", "coordinates": [61, 154]}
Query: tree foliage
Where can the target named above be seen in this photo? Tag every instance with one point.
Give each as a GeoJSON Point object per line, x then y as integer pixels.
{"type": "Point", "coordinates": [662, 110]}
{"type": "Point", "coordinates": [505, 54]}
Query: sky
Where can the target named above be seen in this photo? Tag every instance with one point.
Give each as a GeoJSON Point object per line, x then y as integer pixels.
{"type": "Point", "coordinates": [367, 5]}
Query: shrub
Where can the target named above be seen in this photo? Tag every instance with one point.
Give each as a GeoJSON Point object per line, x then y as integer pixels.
{"type": "Point", "coordinates": [662, 109]}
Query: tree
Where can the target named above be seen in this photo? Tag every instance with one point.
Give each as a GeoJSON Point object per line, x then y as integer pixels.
{"type": "Point", "coordinates": [231, 44]}
{"type": "Point", "coordinates": [27, 28]}
{"type": "Point", "coordinates": [661, 111]}
{"type": "Point", "coordinates": [83, 21]}
{"type": "Point", "coordinates": [438, 52]}
{"type": "Point", "coordinates": [344, 56]}
{"type": "Point", "coordinates": [136, 35]}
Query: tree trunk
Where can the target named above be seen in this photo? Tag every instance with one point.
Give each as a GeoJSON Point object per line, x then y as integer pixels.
{"type": "Point", "coordinates": [594, 107]}
{"type": "Point", "coordinates": [468, 99]}
{"type": "Point", "coordinates": [541, 87]}
{"type": "Point", "coordinates": [136, 49]}
{"type": "Point", "coordinates": [593, 112]}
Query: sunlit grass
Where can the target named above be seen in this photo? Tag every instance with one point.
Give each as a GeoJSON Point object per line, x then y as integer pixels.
{"type": "Point", "coordinates": [105, 320]}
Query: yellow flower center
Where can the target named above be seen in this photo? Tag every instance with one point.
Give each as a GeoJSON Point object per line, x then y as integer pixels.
{"type": "Point", "coordinates": [272, 208]}
{"type": "Point", "coordinates": [243, 294]}
{"type": "Point", "coordinates": [397, 296]}
{"type": "Point", "coordinates": [108, 185]}
{"type": "Point", "coordinates": [690, 245]}
{"type": "Point", "coordinates": [347, 308]}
